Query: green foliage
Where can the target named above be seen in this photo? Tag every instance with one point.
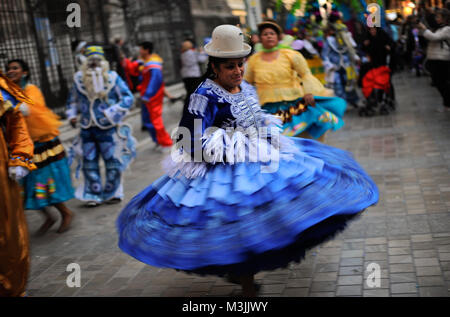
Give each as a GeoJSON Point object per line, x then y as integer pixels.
{"type": "Point", "coordinates": [296, 6]}
{"type": "Point", "coordinates": [279, 5]}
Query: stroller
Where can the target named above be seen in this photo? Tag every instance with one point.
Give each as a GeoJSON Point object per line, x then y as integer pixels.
{"type": "Point", "coordinates": [378, 90]}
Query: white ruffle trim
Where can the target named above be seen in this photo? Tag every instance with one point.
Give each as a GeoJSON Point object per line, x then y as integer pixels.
{"type": "Point", "coordinates": [219, 146]}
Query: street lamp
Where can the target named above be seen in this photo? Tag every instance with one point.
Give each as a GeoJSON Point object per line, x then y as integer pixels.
{"type": "Point", "coordinates": [408, 8]}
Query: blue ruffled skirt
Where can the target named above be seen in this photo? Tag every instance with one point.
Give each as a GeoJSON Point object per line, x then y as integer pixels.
{"type": "Point", "coordinates": [238, 220]}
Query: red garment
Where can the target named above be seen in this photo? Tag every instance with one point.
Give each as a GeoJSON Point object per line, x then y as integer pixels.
{"type": "Point", "coordinates": [155, 103]}
{"type": "Point", "coordinates": [154, 106]}
{"type": "Point", "coordinates": [124, 65]}
{"type": "Point", "coordinates": [376, 78]}
{"type": "Point", "coordinates": [141, 68]}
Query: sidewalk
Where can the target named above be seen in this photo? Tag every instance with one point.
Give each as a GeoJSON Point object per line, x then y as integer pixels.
{"type": "Point", "coordinates": [407, 235]}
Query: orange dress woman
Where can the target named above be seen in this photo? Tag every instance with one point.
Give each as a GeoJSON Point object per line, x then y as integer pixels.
{"type": "Point", "coordinates": [51, 184]}
{"type": "Point", "coordinates": [16, 153]}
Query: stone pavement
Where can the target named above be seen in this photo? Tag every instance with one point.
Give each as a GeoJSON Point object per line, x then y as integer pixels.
{"type": "Point", "coordinates": [407, 234]}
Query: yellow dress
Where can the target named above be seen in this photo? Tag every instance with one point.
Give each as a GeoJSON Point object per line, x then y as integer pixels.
{"type": "Point", "coordinates": [282, 83]}
{"type": "Point", "coordinates": [286, 78]}
{"type": "Point", "coordinates": [16, 147]}
{"type": "Point", "coordinates": [43, 125]}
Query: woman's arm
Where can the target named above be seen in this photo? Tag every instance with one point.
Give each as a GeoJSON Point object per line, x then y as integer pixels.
{"type": "Point", "coordinates": [202, 57]}
{"type": "Point", "coordinates": [18, 139]}
{"type": "Point", "coordinates": [311, 85]}
{"type": "Point", "coordinates": [439, 35]}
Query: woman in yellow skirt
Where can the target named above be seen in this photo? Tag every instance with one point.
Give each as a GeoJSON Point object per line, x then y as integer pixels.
{"type": "Point", "coordinates": [305, 106]}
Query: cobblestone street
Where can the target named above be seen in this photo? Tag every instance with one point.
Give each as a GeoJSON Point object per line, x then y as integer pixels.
{"type": "Point", "coordinates": [407, 233]}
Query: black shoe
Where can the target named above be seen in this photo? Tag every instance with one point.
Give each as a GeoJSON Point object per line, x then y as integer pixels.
{"type": "Point", "coordinates": [175, 99]}
{"type": "Point", "coordinates": [234, 280]}
{"type": "Point", "coordinates": [113, 201]}
{"type": "Point", "coordinates": [257, 287]}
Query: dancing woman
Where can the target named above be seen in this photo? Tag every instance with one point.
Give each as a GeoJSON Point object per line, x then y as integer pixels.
{"type": "Point", "coordinates": [227, 207]}
{"type": "Point", "coordinates": [50, 184]}
{"type": "Point", "coordinates": [287, 88]}
{"type": "Point", "coordinates": [16, 161]}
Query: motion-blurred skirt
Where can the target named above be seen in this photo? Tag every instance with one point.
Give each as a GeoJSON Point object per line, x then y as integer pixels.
{"type": "Point", "coordinates": [297, 117]}
{"type": "Point", "coordinates": [51, 183]}
{"type": "Point", "coordinates": [235, 219]}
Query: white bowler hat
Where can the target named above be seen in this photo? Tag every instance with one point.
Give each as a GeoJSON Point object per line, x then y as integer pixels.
{"type": "Point", "coordinates": [227, 42]}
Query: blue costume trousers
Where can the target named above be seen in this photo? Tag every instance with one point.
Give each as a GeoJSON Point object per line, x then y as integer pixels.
{"type": "Point", "coordinates": [147, 123]}
{"type": "Point", "coordinates": [97, 142]}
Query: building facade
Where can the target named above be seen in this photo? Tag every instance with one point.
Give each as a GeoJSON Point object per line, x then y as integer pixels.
{"type": "Point", "coordinates": [37, 31]}
{"type": "Point", "coordinates": [207, 14]}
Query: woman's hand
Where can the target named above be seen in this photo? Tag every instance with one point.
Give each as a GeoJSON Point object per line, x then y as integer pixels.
{"type": "Point", "coordinates": [309, 100]}
{"type": "Point", "coordinates": [17, 172]}
{"type": "Point", "coordinates": [24, 109]}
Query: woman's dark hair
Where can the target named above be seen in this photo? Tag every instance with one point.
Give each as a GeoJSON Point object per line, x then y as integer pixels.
{"type": "Point", "coordinates": [262, 27]}
{"type": "Point", "coordinates": [209, 74]}
{"type": "Point", "coordinates": [22, 64]}
{"type": "Point", "coordinates": [445, 14]}
{"type": "Point", "coordinates": [216, 61]}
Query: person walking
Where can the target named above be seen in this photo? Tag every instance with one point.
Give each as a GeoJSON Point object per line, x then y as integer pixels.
{"type": "Point", "coordinates": [103, 100]}
{"type": "Point", "coordinates": [151, 89]}
{"type": "Point", "coordinates": [438, 55]}
{"type": "Point", "coordinates": [223, 207]}
{"type": "Point", "coordinates": [190, 68]}
{"type": "Point", "coordinates": [340, 59]}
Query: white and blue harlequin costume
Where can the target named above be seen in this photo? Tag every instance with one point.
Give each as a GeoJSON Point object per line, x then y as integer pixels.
{"type": "Point", "coordinates": [339, 68]}
{"type": "Point", "coordinates": [227, 214]}
{"type": "Point", "coordinates": [102, 134]}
